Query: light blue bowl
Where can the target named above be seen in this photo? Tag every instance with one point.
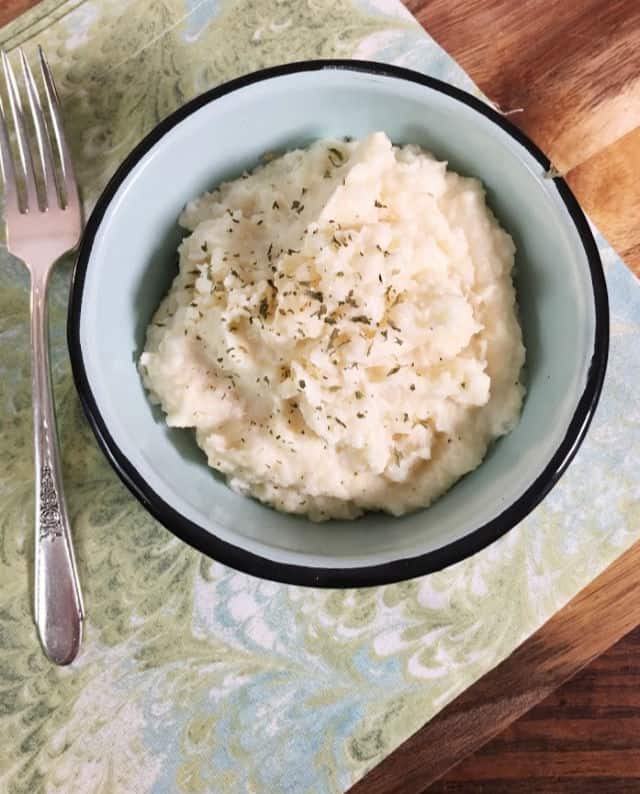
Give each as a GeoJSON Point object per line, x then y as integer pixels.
{"type": "Point", "coordinates": [128, 258]}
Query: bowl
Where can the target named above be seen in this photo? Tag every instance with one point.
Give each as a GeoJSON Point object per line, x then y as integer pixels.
{"type": "Point", "coordinates": [127, 260]}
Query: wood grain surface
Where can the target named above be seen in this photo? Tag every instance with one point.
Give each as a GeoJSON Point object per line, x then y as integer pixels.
{"type": "Point", "coordinates": [573, 67]}
{"type": "Point", "coordinates": [608, 187]}
{"type": "Point", "coordinates": [10, 9]}
{"type": "Point", "coordinates": [598, 617]}
{"type": "Point", "coordinates": [584, 737]}
{"type": "Point", "coordinates": [571, 71]}
{"type": "Point", "coordinates": [568, 72]}
{"type": "Point", "coordinates": [598, 735]}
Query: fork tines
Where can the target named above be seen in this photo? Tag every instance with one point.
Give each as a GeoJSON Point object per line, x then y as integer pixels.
{"type": "Point", "coordinates": [57, 189]}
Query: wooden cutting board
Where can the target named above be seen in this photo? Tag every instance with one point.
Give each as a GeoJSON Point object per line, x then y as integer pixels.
{"type": "Point", "coordinates": [568, 72]}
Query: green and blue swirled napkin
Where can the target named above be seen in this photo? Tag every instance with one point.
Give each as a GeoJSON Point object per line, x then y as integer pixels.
{"type": "Point", "coordinates": [195, 678]}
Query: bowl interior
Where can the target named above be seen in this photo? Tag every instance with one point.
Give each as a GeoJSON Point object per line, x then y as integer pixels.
{"type": "Point", "coordinates": [132, 260]}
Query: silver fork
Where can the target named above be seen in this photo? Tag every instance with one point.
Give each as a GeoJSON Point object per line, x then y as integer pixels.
{"type": "Point", "coordinates": [44, 221]}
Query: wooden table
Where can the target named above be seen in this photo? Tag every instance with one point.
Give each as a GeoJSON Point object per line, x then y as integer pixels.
{"type": "Point", "coordinates": [570, 72]}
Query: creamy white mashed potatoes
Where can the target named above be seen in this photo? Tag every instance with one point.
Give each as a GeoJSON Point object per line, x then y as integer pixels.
{"type": "Point", "coordinates": [342, 333]}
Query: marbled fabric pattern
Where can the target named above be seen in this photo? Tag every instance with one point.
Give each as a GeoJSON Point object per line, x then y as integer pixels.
{"type": "Point", "coordinates": [192, 677]}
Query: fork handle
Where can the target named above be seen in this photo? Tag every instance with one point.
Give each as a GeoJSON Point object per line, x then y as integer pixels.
{"type": "Point", "coordinates": [58, 608]}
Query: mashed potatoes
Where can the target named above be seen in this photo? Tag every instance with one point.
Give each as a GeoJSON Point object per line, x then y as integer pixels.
{"type": "Point", "coordinates": [342, 333]}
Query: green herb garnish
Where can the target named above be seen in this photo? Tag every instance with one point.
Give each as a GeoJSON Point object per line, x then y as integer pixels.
{"type": "Point", "coordinates": [336, 157]}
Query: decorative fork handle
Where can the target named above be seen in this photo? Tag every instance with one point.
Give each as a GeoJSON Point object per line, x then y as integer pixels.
{"type": "Point", "coordinates": [58, 602]}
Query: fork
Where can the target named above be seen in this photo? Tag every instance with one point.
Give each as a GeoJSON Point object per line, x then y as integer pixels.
{"type": "Point", "coordinates": [44, 221]}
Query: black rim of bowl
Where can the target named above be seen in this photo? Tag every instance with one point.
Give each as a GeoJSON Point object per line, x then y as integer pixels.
{"type": "Point", "coordinates": [395, 570]}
